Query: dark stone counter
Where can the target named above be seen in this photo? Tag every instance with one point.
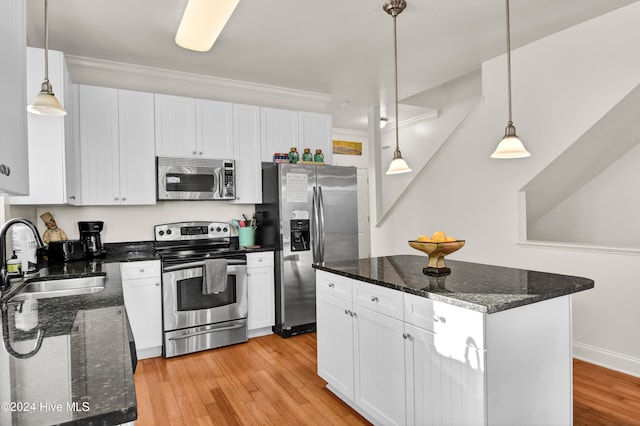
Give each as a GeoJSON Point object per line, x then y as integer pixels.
{"type": "Point", "coordinates": [475, 286]}
{"type": "Point", "coordinates": [82, 373]}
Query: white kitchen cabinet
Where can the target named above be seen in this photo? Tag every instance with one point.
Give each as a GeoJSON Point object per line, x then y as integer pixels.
{"type": "Point", "coordinates": [283, 129]}
{"type": "Point", "coordinates": [246, 139]}
{"type": "Point", "coordinates": [261, 289]}
{"type": "Point", "coordinates": [279, 131]}
{"type": "Point", "coordinates": [54, 162]}
{"type": "Point", "coordinates": [316, 133]}
{"type": "Point", "coordinates": [117, 139]}
{"type": "Point", "coordinates": [14, 168]}
{"type": "Point", "coordinates": [193, 128]}
{"type": "Point", "coordinates": [141, 287]}
{"type": "Point", "coordinates": [361, 347]}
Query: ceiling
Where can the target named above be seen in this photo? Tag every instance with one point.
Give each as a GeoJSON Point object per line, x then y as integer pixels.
{"type": "Point", "coordinates": [342, 48]}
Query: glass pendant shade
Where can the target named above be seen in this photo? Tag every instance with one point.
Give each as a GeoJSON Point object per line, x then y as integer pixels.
{"type": "Point", "coordinates": [510, 146]}
{"type": "Point", "coordinates": [398, 165]}
{"type": "Point", "coordinates": [202, 23]}
{"type": "Point", "coordinates": [45, 103]}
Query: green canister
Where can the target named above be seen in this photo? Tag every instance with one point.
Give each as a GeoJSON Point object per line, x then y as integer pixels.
{"type": "Point", "coordinates": [293, 155]}
{"type": "Point", "coordinates": [306, 155]}
{"type": "Point", "coordinates": [319, 157]}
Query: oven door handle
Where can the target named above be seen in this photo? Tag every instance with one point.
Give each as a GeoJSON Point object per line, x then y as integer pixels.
{"type": "Point", "coordinates": [199, 264]}
{"type": "Point", "coordinates": [212, 330]}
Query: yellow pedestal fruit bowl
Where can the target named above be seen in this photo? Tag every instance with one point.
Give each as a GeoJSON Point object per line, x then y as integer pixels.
{"type": "Point", "coordinates": [437, 247]}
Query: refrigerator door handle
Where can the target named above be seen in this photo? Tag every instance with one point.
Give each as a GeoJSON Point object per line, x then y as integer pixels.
{"type": "Point", "coordinates": [314, 228]}
{"type": "Point", "coordinates": [321, 227]}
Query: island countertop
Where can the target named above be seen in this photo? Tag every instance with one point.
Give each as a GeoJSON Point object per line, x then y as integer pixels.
{"type": "Point", "coordinates": [474, 286]}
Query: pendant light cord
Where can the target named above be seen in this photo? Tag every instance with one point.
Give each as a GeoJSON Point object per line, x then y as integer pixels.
{"type": "Point", "coordinates": [395, 77]}
{"type": "Point", "coordinates": [46, 41]}
{"type": "Point", "coordinates": [509, 64]}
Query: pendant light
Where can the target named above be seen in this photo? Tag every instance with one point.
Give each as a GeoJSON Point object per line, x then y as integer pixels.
{"type": "Point", "coordinates": [202, 22]}
{"type": "Point", "coordinates": [45, 103]}
{"type": "Point", "coordinates": [394, 8]}
{"type": "Point", "coordinates": [510, 146]}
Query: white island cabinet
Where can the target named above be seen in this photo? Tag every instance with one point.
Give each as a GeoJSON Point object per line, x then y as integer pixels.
{"type": "Point", "coordinates": [399, 357]}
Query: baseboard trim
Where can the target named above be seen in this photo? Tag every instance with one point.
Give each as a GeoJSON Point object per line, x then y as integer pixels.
{"type": "Point", "coordinates": [608, 359]}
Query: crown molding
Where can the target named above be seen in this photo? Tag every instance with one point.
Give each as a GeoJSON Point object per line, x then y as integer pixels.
{"type": "Point", "coordinates": [94, 71]}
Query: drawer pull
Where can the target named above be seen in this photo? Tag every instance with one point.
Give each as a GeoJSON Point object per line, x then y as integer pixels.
{"type": "Point", "coordinates": [374, 298]}
{"type": "Point", "coordinates": [353, 314]}
{"type": "Point", "coordinates": [331, 285]}
{"type": "Point", "coordinates": [141, 269]}
{"type": "Point", "coordinates": [157, 284]}
{"type": "Point", "coordinates": [406, 336]}
{"type": "Point", "coordinates": [437, 318]}
{"type": "Point", "coordinates": [347, 312]}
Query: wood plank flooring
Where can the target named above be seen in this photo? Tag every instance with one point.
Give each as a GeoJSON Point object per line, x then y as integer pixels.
{"type": "Point", "coordinates": [273, 381]}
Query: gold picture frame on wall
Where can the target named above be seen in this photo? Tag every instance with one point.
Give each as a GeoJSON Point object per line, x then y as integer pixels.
{"type": "Point", "coordinates": [347, 148]}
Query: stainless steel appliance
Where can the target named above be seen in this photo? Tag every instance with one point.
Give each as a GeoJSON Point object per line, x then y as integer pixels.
{"type": "Point", "coordinates": [194, 319]}
{"type": "Point", "coordinates": [309, 214]}
{"type": "Point", "coordinates": [195, 179]}
{"type": "Point", "coordinates": [91, 240]}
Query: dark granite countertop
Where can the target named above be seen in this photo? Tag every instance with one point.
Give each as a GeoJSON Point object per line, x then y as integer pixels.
{"type": "Point", "coordinates": [475, 286]}
{"type": "Point", "coordinates": [82, 372]}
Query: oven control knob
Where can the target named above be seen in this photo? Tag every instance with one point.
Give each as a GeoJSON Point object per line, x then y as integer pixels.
{"type": "Point", "coordinates": [168, 231]}
{"type": "Point", "coordinates": [225, 229]}
{"type": "Point", "coordinates": [218, 229]}
{"type": "Point", "coordinates": [161, 233]}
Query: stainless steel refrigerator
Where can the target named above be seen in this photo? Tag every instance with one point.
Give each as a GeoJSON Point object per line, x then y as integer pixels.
{"type": "Point", "coordinates": [308, 214]}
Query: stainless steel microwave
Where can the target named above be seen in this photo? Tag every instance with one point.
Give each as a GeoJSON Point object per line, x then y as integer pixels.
{"type": "Point", "coordinates": [195, 179]}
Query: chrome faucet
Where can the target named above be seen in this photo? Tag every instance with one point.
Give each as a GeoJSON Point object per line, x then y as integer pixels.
{"type": "Point", "coordinates": [4, 276]}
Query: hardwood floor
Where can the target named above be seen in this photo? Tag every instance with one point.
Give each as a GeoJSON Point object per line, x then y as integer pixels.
{"type": "Point", "coordinates": [271, 380]}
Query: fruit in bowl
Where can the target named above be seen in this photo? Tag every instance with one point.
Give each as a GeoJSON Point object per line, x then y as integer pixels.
{"type": "Point", "coordinates": [437, 247]}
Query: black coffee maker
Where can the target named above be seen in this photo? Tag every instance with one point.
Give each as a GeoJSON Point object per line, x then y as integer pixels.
{"type": "Point", "coordinates": [90, 237]}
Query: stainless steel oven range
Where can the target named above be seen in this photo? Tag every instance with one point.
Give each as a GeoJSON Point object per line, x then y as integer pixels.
{"type": "Point", "coordinates": [204, 286]}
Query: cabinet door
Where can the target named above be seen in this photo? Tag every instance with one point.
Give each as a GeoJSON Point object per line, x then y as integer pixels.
{"type": "Point", "coordinates": [72, 178]}
{"type": "Point", "coordinates": [175, 126]}
{"type": "Point", "coordinates": [334, 325]}
{"type": "Point", "coordinates": [261, 298]}
{"type": "Point", "coordinates": [379, 366]}
{"type": "Point", "coordinates": [444, 385]}
{"type": "Point", "coordinates": [137, 147]}
{"type": "Point", "coordinates": [14, 170]}
{"type": "Point", "coordinates": [316, 133]}
{"type": "Point", "coordinates": [246, 137]}
{"type": "Point", "coordinates": [214, 129]}
{"type": "Point", "coordinates": [279, 131]}
{"type": "Point", "coordinates": [99, 141]}
{"type": "Point", "coordinates": [143, 300]}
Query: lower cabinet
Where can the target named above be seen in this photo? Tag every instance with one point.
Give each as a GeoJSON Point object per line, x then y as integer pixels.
{"type": "Point", "coordinates": [143, 299]}
{"type": "Point", "coordinates": [398, 358]}
{"type": "Point", "coordinates": [261, 289]}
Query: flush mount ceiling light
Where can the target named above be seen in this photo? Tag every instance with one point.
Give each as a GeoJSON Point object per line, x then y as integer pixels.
{"type": "Point", "coordinates": [45, 102]}
{"type": "Point", "coordinates": [510, 146]}
{"type": "Point", "coordinates": [202, 23]}
{"type": "Point", "coordinates": [394, 8]}
{"type": "Point", "coordinates": [383, 122]}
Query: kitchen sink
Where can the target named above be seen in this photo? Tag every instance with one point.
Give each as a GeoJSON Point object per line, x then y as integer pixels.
{"type": "Point", "coordinates": [49, 288]}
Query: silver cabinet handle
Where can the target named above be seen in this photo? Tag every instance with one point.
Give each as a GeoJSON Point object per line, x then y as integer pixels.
{"type": "Point", "coordinates": [157, 284]}
{"type": "Point", "coordinates": [406, 336]}
{"type": "Point", "coordinates": [5, 170]}
{"type": "Point", "coordinates": [73, 197]}
{"type": "Point", "coordinates": [331, 285]}
{"type": "Point", "coordinates": [116, 198]}
{"type": "Point", "coordinates": [141, 269]}
{"type": "Point", "coordinates": [124, 198]}
{"type": "Point", "coordinates": [374, 298]}
{"type": "Point", "coordinates": [353, 314]}
{"type": "Point", "coordinates": [193, 152]}
{"type": "Point", "coordinates": [347, 312]}
{"type": "Point", "coordinates": [437, 318]}
{"type": "Point", "coordinates": [200, 153]}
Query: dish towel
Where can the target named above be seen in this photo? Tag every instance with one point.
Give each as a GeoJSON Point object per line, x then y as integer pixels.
{"type": "Point", "coordinates": [214, 276]}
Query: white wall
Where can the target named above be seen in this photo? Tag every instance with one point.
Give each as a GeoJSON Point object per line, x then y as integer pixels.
{"type": "Point", "coordinates": [562, 85]}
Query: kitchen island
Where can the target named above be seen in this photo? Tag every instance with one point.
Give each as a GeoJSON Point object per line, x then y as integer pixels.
{"type": "Point", "coordinates": [81, 372]}
{"type": "Point", "coordinates": [483, 345]}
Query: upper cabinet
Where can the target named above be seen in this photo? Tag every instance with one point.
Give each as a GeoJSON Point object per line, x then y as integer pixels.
{"type": "Point", "coordinates": [14, 173]}
{"type": "Point", "coordinates": [53, 143]}
{"type": "Point", "coordinates": [246, 137]}
{"type": "Point", "coordinates": [117, 138]}
{"type": "Point", "coordinates": [193, 128]}
{"type": "Point", "coordinates": [283, 129]}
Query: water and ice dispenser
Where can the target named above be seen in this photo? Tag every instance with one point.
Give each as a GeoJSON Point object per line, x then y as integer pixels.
{"type": "Point", "coordinates": [300, 237]}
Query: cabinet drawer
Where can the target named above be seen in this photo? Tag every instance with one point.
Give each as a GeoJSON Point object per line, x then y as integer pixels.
{"type": "Point", "coordinates": [458, 325]}
{"type": "Point", "coordinates": [379, 299]}
{"type": "Point", "coordinates": [335, 285]}
{"type": "Point", "coordinates": [137, 270]}
{"type": "Point", "coordinates": [257, 260]}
